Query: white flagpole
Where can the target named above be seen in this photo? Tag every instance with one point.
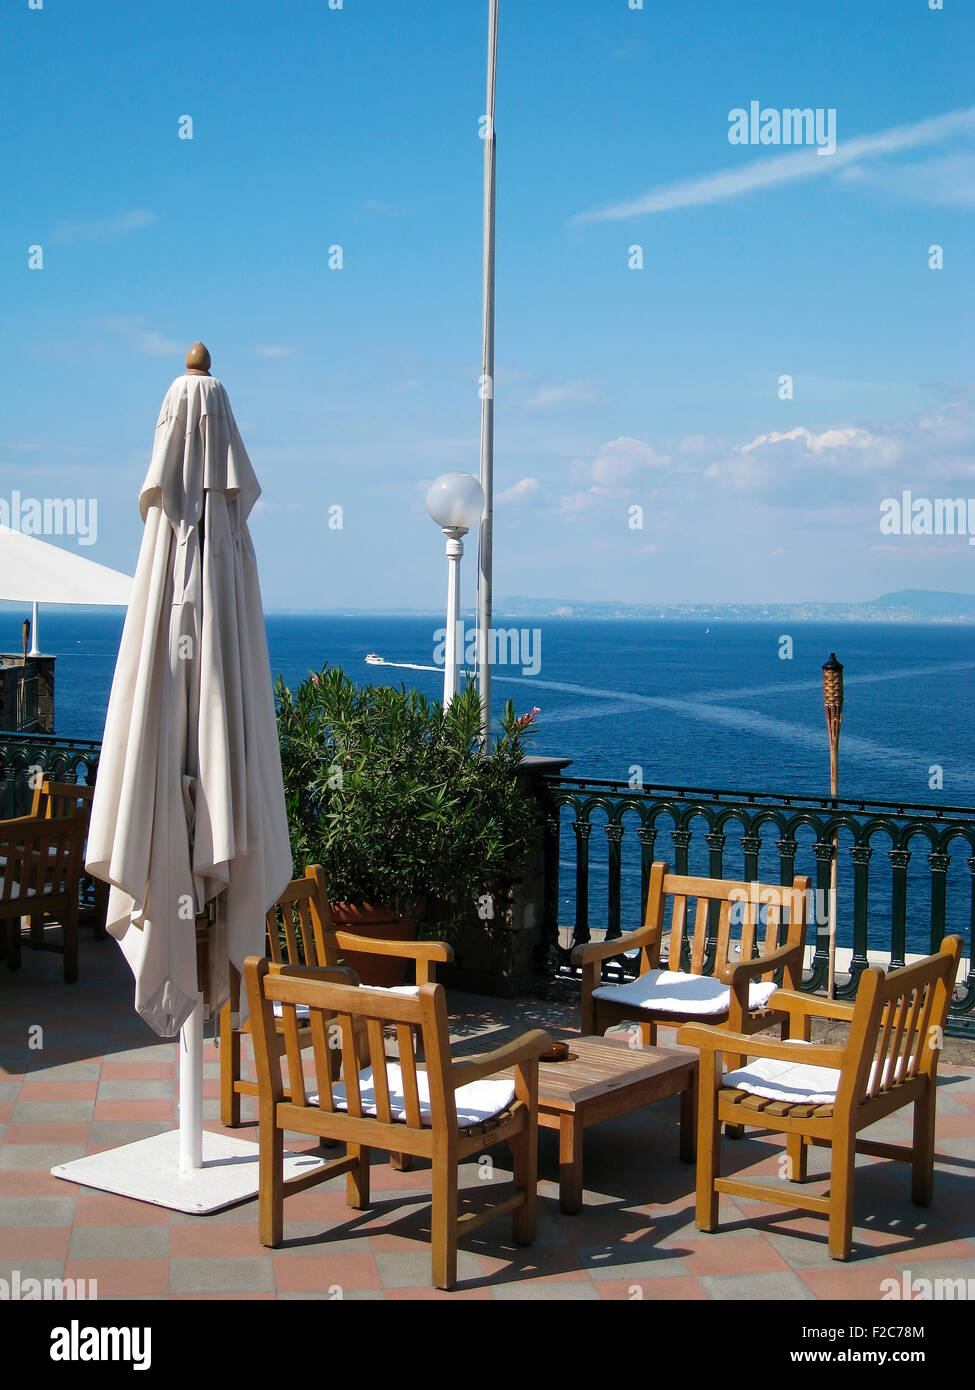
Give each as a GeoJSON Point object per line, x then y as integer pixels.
{"type": "Point", "coordinates": [485, 574]}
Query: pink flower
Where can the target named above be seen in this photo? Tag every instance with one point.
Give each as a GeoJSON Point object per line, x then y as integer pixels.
{"type": "Point", "coordinates": [314, 680]}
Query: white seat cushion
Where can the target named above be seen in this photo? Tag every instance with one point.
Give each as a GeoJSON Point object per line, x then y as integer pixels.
{"type": "Point", "coordinates": [476, 1102]}
{"type": "Point", "coordinates": [302, 1011]}
{"type": "Point", "coordinates": [673, 991]}
{"type": "Point", "coordinates": [796, 1082]}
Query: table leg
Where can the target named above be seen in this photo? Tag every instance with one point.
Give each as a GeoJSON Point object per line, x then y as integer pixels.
{"type": "Point", "coordinates": [688, 1120]}
{"type": "Point", "coordinates": [570, 1164]}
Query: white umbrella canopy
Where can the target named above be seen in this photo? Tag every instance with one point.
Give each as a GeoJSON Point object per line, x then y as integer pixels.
{"type": "Point", "coordinates": [32, 571]}
{"type": "Point", "coordinates": [189, 801]}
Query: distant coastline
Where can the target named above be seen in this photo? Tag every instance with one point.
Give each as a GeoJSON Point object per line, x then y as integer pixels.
{"type": "Point", "coordinates": [903, 606]}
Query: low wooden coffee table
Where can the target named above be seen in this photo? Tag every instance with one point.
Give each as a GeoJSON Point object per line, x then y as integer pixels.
{"type": "Point", "coordinates": [608, 1077]}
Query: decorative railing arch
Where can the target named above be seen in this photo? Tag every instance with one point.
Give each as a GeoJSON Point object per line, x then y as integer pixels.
{"type": "Point", "coordinates": [885, 902]}
{"type": "Point", "coordinates": [24, 757]}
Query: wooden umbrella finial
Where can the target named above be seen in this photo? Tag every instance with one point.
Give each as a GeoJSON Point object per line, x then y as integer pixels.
{"type": "Point", "coordinates": [198, 361]}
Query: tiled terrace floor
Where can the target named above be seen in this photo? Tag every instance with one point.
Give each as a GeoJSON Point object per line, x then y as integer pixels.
{"type": "Point", "coordinates": [101, 1079]}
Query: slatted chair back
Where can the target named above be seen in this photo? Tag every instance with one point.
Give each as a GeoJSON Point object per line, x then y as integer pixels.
{"type": "Point", "coordinates": [295, 934]}
{"type": "Point", "coordinates": [40, 868]}
{"type": "Point", "coordinates": [739, 909]}
{"type": "Point", "coordinates": [53, 800]}
{"type": "Point", "coordinates": [40, 859]}
{"type": "Point", "coordinates": [349, 1020]}
{"type": "Point", "coordinates": [897, 1029]}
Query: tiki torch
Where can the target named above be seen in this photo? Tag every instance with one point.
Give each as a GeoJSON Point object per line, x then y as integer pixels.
{"type": "Point", "coordinates": [23, 675]}
{"type": "Point", "coordinates": [833, 700]}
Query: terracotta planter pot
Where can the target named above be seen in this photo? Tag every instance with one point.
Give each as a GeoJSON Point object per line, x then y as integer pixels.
{"type": "Point", "coordinates": [380, 924]}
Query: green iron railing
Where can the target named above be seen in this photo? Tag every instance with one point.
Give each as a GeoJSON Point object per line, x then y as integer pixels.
{"type": "Point", "coordinates": [900, 888]}
{"type": "Point", "coordinates": [25, 758]}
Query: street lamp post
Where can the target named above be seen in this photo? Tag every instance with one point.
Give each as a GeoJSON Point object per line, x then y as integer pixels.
{"type": "Point", "coordinates": [833, 701]}
{"type": "Point", "coordinates": [455, 501]}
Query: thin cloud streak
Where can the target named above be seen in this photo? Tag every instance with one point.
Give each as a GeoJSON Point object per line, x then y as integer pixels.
{"type": "Point", "coordinates": [765, 173]}
{"type": "Point", "coordinates": [106, 229]}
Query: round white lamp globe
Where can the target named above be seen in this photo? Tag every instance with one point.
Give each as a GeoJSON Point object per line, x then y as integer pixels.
{"type": "Point", "coordinates": [455, 501]}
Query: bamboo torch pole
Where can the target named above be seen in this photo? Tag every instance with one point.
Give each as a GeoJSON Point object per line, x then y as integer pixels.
{"type": "Point", "coordinates": [20, 714]}
{"type": "Point", "coordinates": [833, 701]}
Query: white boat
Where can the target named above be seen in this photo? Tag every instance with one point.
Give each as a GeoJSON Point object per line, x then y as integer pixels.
{"type": "Point", "coordinates": [373, 660]}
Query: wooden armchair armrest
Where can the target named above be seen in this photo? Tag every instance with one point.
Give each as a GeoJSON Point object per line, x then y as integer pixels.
{"type": "Point", "coordinates": [440, 951]}
{"type": "Point", "coordinates": [528, 1047]}
{"type": "Point", "coordinates": [329, 974]}
{"type": "Point", "coordinates": [592, 951]}
{"type": "Point", "coordinates": [747, 969]}
{"type": "Point", "coordinates": [710, 1039]}
{"type": "Point", "coordinates": [789, 1002]}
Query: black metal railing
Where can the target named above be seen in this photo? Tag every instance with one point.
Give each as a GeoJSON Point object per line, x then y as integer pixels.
{"type": "Point", "coordinates": [25, 759]}
{"type": "Point", "coordinates": [901, 882]}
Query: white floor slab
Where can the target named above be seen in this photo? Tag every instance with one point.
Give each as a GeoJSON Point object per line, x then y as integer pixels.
{"type": "Point", "coordinates": [148, 1171]}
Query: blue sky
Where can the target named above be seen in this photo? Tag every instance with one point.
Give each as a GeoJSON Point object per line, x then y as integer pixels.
{"type": "Point", "coordinates": [616, 387]}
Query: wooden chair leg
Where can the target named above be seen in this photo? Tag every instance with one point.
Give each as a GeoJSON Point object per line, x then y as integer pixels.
{"type": "Point", "coordinates": [13, 943]}
{"type": "Point", "coordinates": [922, 1158]}
{"type": "Point", "coordinates": [70, 942]}
{"type": "Point", "coordinates": [357, 1178]}
{"type": "Point", "coordinates": [708, 1146]}
{"type": "Point", "coordinates": [588, 1023]}
{"type": "Point", "coordinates": [271, 1196]}
{"type": "Point", "coordinates": [648, 1034]}
{"type": "Point", "coordinates": [797, 1154]}
{"type": "Point", "coordinates": [841, 1196]}
{"type": "Point", "coordinates": [36, 930]}
{"type": "Point", "coordinates": [443, 1223]}
{"type": "Point", "coordinates": [524, 1152]}
{"type": "Point", "coordinates": [401, 1163]}
{"type": "Point", "coordinates": [101, 909]}
{"type": "Point", "coordinates": [229, 1062]}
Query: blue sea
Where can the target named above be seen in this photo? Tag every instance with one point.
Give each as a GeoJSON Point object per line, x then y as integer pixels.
{"type": "Point", "coordinates": [677, 703]}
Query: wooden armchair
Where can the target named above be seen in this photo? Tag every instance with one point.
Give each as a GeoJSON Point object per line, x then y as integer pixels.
{"type": "Point", "coordinates": [446, 1113]}
{"type": "Point", "coordinates": [736, 993]}
{"type": "Point", "coordinates": [826, 1095]}
{"type": "Point", "coordinates": [40, 866]}
{"type": "Point", "coordinates": [53, 800]}
{"type": "Point", "coordinates": [299, 932]}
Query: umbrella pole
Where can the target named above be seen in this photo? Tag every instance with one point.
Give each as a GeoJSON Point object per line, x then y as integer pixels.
{"type": "Point", "coordinates": [191, 1090]}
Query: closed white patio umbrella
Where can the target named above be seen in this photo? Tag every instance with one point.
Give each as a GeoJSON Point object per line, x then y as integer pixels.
{"type": "Point", "coordinates": [189, 815]}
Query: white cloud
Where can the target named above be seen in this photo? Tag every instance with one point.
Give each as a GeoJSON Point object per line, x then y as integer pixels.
{"type": "Point", "coordinates": [275, 350]}
{"type": "Point", "coordinates": [523, 488]}
{"type": "Point", "coordinates": [105, 229]}
{"type": "Point", "coordinates": [618, 463]}
{"type": "Point", "coordinates": [846, 464]}
{"type": "Point", "coordinates": [570, 394]}
{"type": "Point", "coordinates": [147, 340]}
{"type": "Point", "coordinates": [783, 168]}
{"type": "Point", "coordinates": [622, 458]}
{"type": "Point", "coordinates": [948, 181]}
{"type": "Point", "coordinates": [846, 437]}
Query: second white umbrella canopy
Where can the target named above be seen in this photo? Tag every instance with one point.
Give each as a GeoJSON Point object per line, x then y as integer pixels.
{"type": "Point", "coordinates": [189, 801]}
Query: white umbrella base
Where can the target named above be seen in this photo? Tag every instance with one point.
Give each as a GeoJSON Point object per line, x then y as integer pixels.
{"type": "Point", "coordinates": [149, 1171]}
